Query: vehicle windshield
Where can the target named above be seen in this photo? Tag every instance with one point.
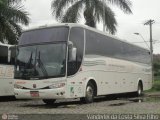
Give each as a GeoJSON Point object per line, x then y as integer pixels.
{"type": "Point", "coordinates": [41, 61]}
{"type": "Point", "coordinates": [45, 35]}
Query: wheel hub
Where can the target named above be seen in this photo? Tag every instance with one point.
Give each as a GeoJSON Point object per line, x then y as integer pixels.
{"type": "Point", "coordinates": [89, 92]}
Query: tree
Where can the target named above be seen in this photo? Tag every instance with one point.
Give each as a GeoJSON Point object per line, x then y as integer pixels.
{"type": "Point", "coordinates": [70, 11]}
{"type": "Point", "coordinates": [156, 64]}
{"type": "Point", "coordinates": [11, 15]}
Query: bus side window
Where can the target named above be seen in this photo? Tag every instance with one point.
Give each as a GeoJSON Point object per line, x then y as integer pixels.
{"type": "Point", "coordinates": [7, 55]}
{"type": "Point", "coordinates": [3, 55]}
{"type": "Point", "coordinates": [12, 55]}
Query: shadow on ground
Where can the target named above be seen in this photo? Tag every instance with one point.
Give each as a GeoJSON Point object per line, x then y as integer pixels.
{"type": "Point", "coordinates": [7, 98]}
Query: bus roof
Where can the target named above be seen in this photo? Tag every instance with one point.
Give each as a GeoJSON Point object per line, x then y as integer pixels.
{"type": "Point", "coordinates": [70, 25]}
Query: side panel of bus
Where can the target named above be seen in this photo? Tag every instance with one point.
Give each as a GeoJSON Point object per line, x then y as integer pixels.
{"type": "Point", "coordinates": [7, 56]}
{"type": "Point", "coordinates": [6, 80]}
{"type": "Point", "coordinates": [115, 66]}
{"type": "Point", "coordinates": [116, 76]}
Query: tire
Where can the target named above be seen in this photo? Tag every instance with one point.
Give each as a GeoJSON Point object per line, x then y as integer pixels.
{"type": "Point", "coordinates": [139, 90]}
{"type": "Point", "coordinates": [49, 101]}
{"type": "Point", "coordinates": [89, 94]}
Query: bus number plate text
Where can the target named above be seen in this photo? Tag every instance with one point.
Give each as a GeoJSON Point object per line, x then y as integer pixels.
{"type": "Point", "coordinates": [34, 93]}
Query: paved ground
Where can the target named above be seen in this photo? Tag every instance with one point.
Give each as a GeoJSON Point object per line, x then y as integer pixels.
{"type": "Point", "coordinates": [101, 105]}
{"type": "Point", "coordinates": [148, 104]}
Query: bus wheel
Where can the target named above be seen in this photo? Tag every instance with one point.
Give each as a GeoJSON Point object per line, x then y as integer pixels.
{"type": "Point", "coordinates": [49, 101]}
{"type": "Point", "coordinates": [89, 97]}
{"type": "Point", "coordinates": [140, 89]}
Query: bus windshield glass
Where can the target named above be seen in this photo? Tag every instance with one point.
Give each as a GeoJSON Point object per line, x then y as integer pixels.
{"type": "Point", "coordinates": [44, 35]}
{"type": "Point", "coordinates": [41, 61]}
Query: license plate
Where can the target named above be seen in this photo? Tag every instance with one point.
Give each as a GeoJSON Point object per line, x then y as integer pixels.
{"type": "Point", "coordinates": [34, 94]}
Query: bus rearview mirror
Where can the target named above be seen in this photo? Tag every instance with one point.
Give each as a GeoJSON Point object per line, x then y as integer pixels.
{"type": "Point", "coordinates": [72, 54]}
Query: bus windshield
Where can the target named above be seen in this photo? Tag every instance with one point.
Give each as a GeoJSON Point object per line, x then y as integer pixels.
{"type": "Point", "coordinates": [41, 61]}
{"type": "Point", "coordinates": [41, 53]}
{"type": "Point", "coordinates": [44, 35]}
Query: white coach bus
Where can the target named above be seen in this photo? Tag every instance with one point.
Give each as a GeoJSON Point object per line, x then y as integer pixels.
{"type": "Point", "coordinates": [7, 60]}
{"type": "Point", "coordinates": [75, 61]}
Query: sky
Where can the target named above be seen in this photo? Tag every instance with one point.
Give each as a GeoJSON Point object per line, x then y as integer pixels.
{"type": "Point", "coordinates": [40, 13]}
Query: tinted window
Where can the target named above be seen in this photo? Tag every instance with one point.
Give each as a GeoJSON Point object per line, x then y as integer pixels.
{"type": "Point", "coordinates": [41, 61]}
{"type": "Point", "coordinates": [3, 55]}
{"type": "Point", "coordinates": [98, 44]}
{"type": "Point", "coordinates": [77, 38]}
{"type": "Point", "coordinates": [44, 35]}
{"type": "Point", "coordinates": [7, 55]}
{"type": "Point", "coordinates": [136, 54]}
{"type": "Point", "coordinates": [12, 55]}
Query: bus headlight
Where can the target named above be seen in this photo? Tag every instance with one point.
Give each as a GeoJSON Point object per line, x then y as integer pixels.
{"type": "Point", "coordinates": [58, 85]}
{"type": "Point", "coordinates": [18, 86]}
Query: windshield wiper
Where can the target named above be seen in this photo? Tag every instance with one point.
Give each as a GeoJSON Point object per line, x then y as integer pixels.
{"type": "Point", "coordinates": [40, 63]}
{"type": "Point", "coordinates": [28, 64]}
{"type": "Point", "coordinates": [27, 70]}
{"type": "Point", "coordinates": [30, 69]}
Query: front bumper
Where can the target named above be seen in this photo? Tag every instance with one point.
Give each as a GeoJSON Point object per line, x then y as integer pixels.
{"type": "Point", "coordinates": [58, 93]}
